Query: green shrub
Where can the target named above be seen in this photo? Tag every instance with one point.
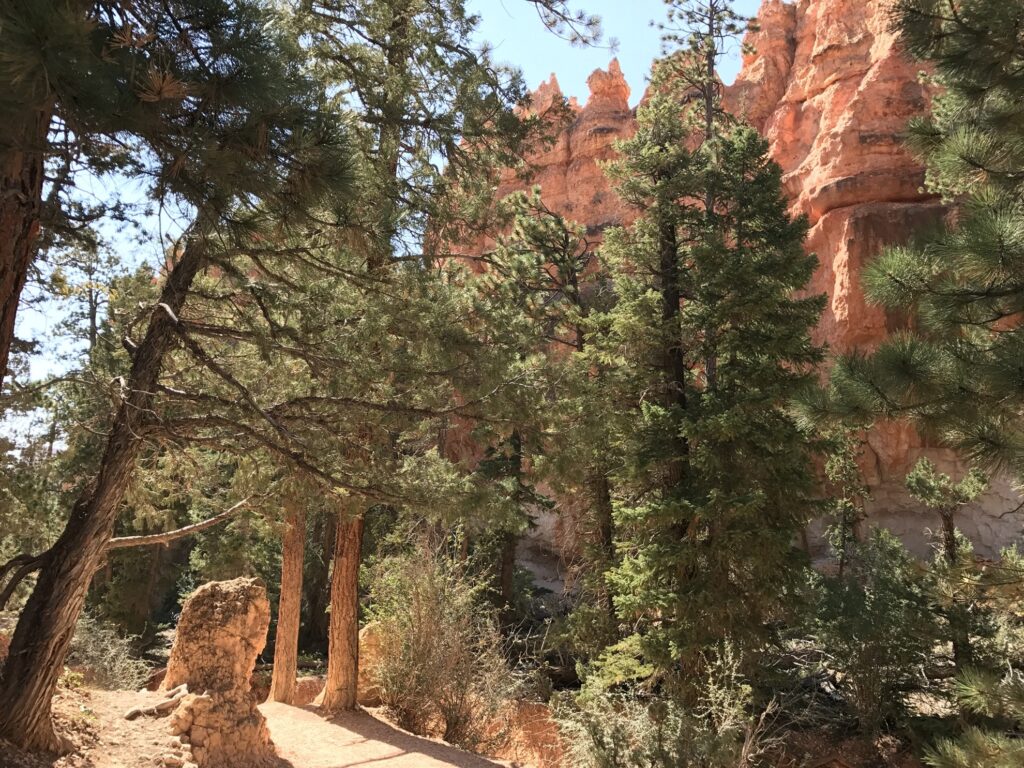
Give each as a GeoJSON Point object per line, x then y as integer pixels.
{"type": "Point", "coordinates": [632, 729]}
{"type": "Point", "coordinates": [876, 628]}
{"type": "Point", "coordinates": [442, 669]}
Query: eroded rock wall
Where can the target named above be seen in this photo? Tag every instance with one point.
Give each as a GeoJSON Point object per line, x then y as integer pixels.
{"type": "Point", "coordinates": [830, 88]}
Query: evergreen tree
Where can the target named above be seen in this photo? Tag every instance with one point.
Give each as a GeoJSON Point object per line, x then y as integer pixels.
{"type": "Point", "coordinates": [937, 492]}
{"type": "Point", "coordinates": [420, 91]}
{"type": "Point", "coordinates": [246, 149]}
{"type": "Point", "coordinates": [957, 372]}
{"type": "Point", "coordinates": [552, 265]}
{"type": "Point", "coordinates": [1000, 700]}
{"type": "Point", "coordinates": [84, 81]}
{"type": "Point", "coordinates": [707, 343]}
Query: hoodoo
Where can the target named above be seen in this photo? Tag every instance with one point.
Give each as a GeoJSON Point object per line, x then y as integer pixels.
{"type": "Point", "coordinates": [831, 88]}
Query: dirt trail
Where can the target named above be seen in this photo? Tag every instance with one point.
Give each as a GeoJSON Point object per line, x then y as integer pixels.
{"type": "Point", "coordinates": [305, 740]}
{"type": "Point", "coordinates": [95, 721]}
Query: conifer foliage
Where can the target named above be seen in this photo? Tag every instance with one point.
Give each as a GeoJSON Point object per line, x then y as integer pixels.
{"type": "Point", "coordinates": [707, 341]}
{"type": "Point", "coordinates": [249, 147]}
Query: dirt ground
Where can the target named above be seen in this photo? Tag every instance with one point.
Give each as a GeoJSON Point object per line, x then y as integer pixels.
{"type": "Point", "coordinates": [95, 722]}
{"type": "Point", "coordinates": [306, 740]}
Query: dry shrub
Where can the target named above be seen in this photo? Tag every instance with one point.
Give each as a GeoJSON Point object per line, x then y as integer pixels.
{"type": "Point", "coordinates": [442, 670]}
{"type": "Point", "coordinates": [106, 658]}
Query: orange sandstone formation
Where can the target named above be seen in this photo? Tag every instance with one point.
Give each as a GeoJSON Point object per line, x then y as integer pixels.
{"type": "Point", "coordinates": [830, 88]}
{"type": "Point", "coordinates": [221, 632]}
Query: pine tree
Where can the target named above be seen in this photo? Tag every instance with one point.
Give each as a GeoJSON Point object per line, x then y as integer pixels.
{"type": "Point", "coordinates": [254, 159]}
{"type": "Point", "coordinates": [420, 91]}
{"type": "Point", "coordinates": [82, 82]}
{"type": "Point", "coordinates": [1000, 700]}
{"type": "Point", "coordinates": [552, 265]}
{"type": "Point", "coordinates": [957, 372]}
{"type": "Point", "coordinates": [937, 492]}
{"type": "Point", "coordinates": [707, 343]}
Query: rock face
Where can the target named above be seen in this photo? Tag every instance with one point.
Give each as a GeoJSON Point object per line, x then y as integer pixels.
{"type": "Point", "coordinates": [830, 88]}
{"type": "Point", "coordinates": [222, 629]}
{"type": "Point", "coordinates": [367, 690]}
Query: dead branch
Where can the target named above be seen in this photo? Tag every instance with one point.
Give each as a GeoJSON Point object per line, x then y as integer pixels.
{"type": "Point", "coordinates": [123, 542]}
{"type": "Point", "coordinates": [25, 564]}
{"type": "Point", "coordinates": [28, 564]}
{"type": "Point", "coordinates": [174, 696]}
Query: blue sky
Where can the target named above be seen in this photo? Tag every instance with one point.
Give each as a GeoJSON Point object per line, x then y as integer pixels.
{"type": "Point", "coordinates": [518, 37]}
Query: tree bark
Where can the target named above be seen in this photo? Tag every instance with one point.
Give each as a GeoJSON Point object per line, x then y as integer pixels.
{"type": "Point", "coordinates": [47, 624]}
{"type": "Point", "coordinates": [289, 608]}
{"type": "Point", "coordinates": [963, 652]}
{"type": "Point", "coordinates": [674, 359]}
{"type": "Point", "coordinates": [507, 577]}
{"type": "Point", "coordinates": [343, 654]}
{"type": "Point", "coordinates": [21, 202]}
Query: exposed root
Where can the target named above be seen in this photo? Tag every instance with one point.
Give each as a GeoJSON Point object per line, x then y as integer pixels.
{"type": "Point", "coordinates": [160, 709]}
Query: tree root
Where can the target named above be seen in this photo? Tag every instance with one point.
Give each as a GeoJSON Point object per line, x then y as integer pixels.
{"type": "Point", "coordinates": [175, 695]}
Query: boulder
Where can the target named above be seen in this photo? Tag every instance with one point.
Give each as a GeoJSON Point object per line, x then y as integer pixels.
{"type": "Point", "coordinates": [368, 692]}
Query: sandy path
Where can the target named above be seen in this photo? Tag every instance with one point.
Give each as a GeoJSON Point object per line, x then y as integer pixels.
{"type": "Point", "coordinates": [95, 720]}
{"type": "Point", "coordinates": [306, 740]}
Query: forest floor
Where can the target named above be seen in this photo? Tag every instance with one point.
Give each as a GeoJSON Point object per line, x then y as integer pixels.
{"type": "Point", "coordinates": [94, 720]}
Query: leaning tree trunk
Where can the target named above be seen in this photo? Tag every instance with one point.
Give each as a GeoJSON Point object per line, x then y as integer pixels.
{"type": "Point", "coordinates": [289, 608]}
{"type": "Point", "coordinates": [343, 655]}
{"type": "Point", "coordinates": [21, 200]}
{"type": "Point", "coordinates": [46, 625]}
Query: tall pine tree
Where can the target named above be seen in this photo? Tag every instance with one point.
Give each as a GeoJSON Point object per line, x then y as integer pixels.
{"type": "Point", "coordinates": [707, 342]}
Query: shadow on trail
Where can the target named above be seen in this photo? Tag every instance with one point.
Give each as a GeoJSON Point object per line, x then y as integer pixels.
{"type": "Point", "coordinates": [353, 739]}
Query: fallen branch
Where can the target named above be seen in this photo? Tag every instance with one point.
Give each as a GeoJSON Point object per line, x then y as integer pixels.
{"type": "Point", "coordinates": [123, 542]}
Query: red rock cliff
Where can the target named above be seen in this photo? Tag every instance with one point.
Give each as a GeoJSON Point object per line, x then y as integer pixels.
{"type": "Point", "coordinates": [830, 88]}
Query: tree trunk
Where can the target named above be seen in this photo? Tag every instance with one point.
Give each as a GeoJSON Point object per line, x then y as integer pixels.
{"type": "Point", "coordinates": [963, 653]}
{"type": "Point", "coordinates": [289, 608]}
{"type": "Point", "coordinates": [674, 360]}
{"type": "Point", "coordinates": [47, 624]}
{"type": "Point", "coordinates": [507, 577]}
{"type": "Point", "coordinates": [343, 655]}
{"type": "Point", "coordinates": [601, 500]}
{"type": "Point", "coordinates": [21, 201]}
{"type": "Point", "coordinates": [317, 586]}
